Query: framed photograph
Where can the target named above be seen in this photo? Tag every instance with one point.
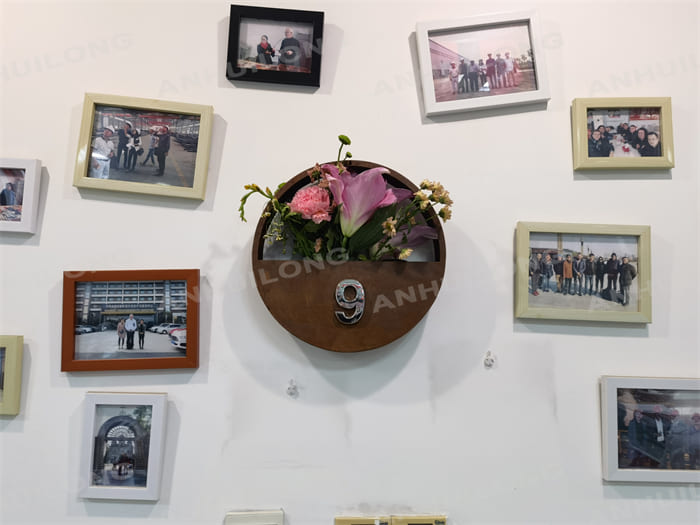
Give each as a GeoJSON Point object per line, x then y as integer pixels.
{"type": "Point", "coordinates": [130, 320]}
{"type": "Point", "coordinates": [141, 145]}
{"type": "Point", "coordinates": [20, 180]}
{"type": "Point", "coordinates": [11, 347]}
{"type": "Point", "coordinates": [482, 62]}
{"type": "Point", "coordinates": [651, 429]}
{"type": "Point", "coordinates": [622, 133]}
{"type": "Point", "coordinates": [282, 46]}
{"type": "Point", "coordinates": [124, 436]}
{"type": "Point", "coordinates": [586, 272]}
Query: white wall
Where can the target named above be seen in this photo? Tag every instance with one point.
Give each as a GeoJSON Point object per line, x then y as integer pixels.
{"type": "Point", "coordinates": [420, 425]}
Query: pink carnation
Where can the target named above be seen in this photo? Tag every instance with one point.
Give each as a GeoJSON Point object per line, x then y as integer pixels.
{"type": "Point", "coordinates": [312, 202]}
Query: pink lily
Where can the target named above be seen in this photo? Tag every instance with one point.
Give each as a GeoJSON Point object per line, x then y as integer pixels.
{"type": "Point", "coordinates": [359, 196]}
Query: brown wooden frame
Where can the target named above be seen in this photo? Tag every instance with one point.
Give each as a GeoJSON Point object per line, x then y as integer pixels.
{"type": "Point", "coordinates": [191, 358]}
{"type": "Point", "coordinates": [311, 290]}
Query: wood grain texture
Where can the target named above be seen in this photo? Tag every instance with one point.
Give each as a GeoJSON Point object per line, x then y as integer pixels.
{"type": "Point", "coordinates": [300, 294]}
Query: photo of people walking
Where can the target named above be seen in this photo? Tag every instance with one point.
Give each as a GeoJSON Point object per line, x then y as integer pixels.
{"type": "Point", "coordinates": [121, 137]}
{"type": "Point", "coordinates": [583, 271]}
{"type": "Point", "coordinates": [482, 62]}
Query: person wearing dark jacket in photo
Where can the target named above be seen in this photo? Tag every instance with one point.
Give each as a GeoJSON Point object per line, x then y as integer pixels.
{"type": "Point", "coordinates": [265, 51]}
{"type": "Point", "coordinates": [134, 147]}
{"type": "Point", "coordinates": [289, 50]}
{"type": "Point", "coordinates": [8, 196]}
{"type": "Point", "coordinates": [589, 274]}
{"type": "Point", "coordinates": [612, 268]}
{"type": "Point", "coordinates": [534, 270]}
{"type": "Point", "coordinates": [639, 140]}
{"type": "Point", "coordinates": [579, 271]}
{"type": "Point", "coordinates": [464, 71]}
{"type": "Point", "coordinates": [124, 135]}
{"type": "Point", "coordinates": [599, 273]}
{"type": "Point", "coordinates": [598, 146]}
{"type": "Point", "coordinates": [636, 438]}
{"type": "Point", "coordinates": [162, 149]}
{"type": "Point", "coordinates": [627, 275]}
{"type": "Point", "coordinates": [653, 147]}
{"type": "Point", "coordinates": [547, 272]}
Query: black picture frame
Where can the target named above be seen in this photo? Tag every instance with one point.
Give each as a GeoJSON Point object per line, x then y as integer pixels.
{"type": "Point", "coordinates": [303, 68]}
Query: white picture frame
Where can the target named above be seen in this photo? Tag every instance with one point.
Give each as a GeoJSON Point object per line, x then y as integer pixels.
{"type": "Point", "coordinates": [657, 455]}
{"type": "Point", "coordinates": [123, 436]}
{"type": "Point", "coordinates": [479, 34]}
{"type": "Point", "coordinates": [21, 216]}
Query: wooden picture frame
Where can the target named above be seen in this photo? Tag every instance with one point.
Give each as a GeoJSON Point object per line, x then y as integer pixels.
{"type": "Point", "coordinates": [561, 300]}
{"type": "Point", "coordinates": [618, 149]}
{"type": "Point", "coordinates": [124, 438]}
{"type": "Point", "coordinates": [293, 45]}
{"type": "Point", "coordinates": [179, 135]}
{"type": "Point", "coordinates": [20, 181]}
{"type": "Point", "coordinates": [95, 303]}
{"type": "Point", "coordinates": [650, 429]}
{"type": "Point", "coordinates": [11, 352]}
{"type": "Point", "coordinates": [521, 81]}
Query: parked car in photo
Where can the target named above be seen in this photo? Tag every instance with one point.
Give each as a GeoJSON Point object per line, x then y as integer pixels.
{"type": "Point", "coordinates": [84, 329]}
{"type": "Point", "coordinates": [166, 327]}
{"type": "Point", "coordinates": [175, 327]}
{"type": "Point", "coordinates": [178, 338]}
{"type": "Point", "coordinates": [158, 327]}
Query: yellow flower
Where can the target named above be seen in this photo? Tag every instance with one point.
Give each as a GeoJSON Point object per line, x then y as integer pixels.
{"type": "Point", "coordinates": [389, 226]}
{"type": "Point", "coordinates": [405, 253]}
{"type": "Point", "coordinates": [445, 213]}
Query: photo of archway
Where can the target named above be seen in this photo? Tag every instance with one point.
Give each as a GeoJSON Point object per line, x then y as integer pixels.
{"type": "Point", "coordinates": [121, 444]}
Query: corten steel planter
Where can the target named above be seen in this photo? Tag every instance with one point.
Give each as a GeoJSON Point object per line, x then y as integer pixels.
{"type": "Point", "coordinates": [301, 294]}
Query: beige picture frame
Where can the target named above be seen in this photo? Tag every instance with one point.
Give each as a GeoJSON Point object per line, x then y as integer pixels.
{"type": "Point", "coordinates": [11, 373]}
{"type": "Point", "coordinates": [638, 311]}
{"type": "Point", "coordinates": [158, 112]}
{"type": "Point", "coordinates": [579, 134]}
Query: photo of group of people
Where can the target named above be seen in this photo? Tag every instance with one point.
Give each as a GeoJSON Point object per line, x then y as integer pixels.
{"type": "Point", "coordinates": [626, 132]}
{"type": "Point", "coordinates": [275, 46]}
{"type": "Point", "coordinates": [580, 271]}
{"type": "Point", "coordinates": [125, 140]}
{"type": "Point", "coordinates": [658, 429]}
{"type": "Point", "coordinates": [482, 62]}
{"type": "Point", "coordinates": [11, 194]}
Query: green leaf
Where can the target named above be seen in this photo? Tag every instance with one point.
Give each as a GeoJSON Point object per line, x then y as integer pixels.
{"type": "Point", "coordinates": [371, 232]}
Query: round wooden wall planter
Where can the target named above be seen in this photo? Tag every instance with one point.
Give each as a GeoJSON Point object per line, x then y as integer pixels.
{"type": "Point", "coordinates": [301, 294]}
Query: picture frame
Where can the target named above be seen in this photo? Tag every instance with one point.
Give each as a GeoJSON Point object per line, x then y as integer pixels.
{"type": "Point", "coordinates": [20, 182]}
{"type": "Point", "coordinates": [280, 46]}
{"type": "Point", "coordinates": [11, 352]}
{"type": "Point", "coordinates": [611, 293]}
{"type": "Point", "coordinates": [620, 148]}
{"type": "Point", "coordinates": [521, 80]}
{"type": "Point", "coordinates": [174, 136]}
{"type": "Point", "coordinates": [650, 429]}
{"type": "Point", "coordinates": [123, 444]}
{"type": "Point", "coordinates": [98, 307]}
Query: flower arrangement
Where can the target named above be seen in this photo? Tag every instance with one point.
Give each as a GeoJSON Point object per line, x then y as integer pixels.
{"type": "Point", "coordinates": [353, 216]}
